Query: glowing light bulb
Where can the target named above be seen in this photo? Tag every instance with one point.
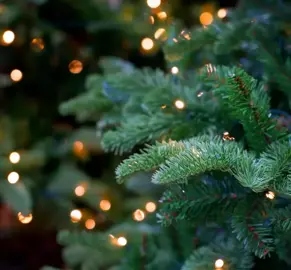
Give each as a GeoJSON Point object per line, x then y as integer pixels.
{"type": "Point", "coordinates": [147, 44]}
{"type": "Point", "coordinates": [179, 104]}
{"type": "Point", "coordinates": [206, 18]}
{"type": "Point", "coordinates": [219, 263]}
{"type": "Point", "coordinates": [78, 146]}
{"type": "Point", "coordinates": [153, 3]}
{"type": "Point", "coordinates": [80, 191]}
{"type": "Point", "coordinates": [121, 241]}
{"type": "Point", "coordinates": [270, 195]}
{"type": "Point", "coordinates": [151, 207]}
{"type": "Point", "coordinates": [105, 205]}
{"type": "Point", "coordinates": [25, 219]}
{"type": "Point", "coordinates": [76, 215]}
{"type": "Point", "coordinates": [138, 215]}
{"type": "Point", "coordinates": [76, 67]}
{"type": "Point", "coordinates": [14, 157]}
{"type": "Point", "coordinates": [13, 177]}
{"type": "Point", "coordinates": [90, 224]}
{"type": "Point", "coordinates": [159, 33]}
{"type": "Point", "coordinates": [162, 15]}
{"type": "Point", "coordinates": [16, 75]}
{"type": "Point", "coordinates": [8, 37]}
{"type": "Point", "coordinates": [221, 13]}
{"type": "Point", "coordinates": [174, 70]}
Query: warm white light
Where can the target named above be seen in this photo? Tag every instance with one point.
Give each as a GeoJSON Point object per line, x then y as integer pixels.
{"type": "Point", "coordinates": [152, 20]}
{"type": "Point", "coordinates": [174, 70]}
{"type": "Point", "coordinates": [159, 33]}
{"type": "Point", "coordinates": [162, 15]}
{"type": "Point", "coordinates": [222, 13]}
{"type": "Point", "coordinates": [206, 18]}
{"type": "Point", "coordinates": [147, 44]}
{"type": "Point", "coordinates": [90, 224]}
{"type": "Point", "coordinates": [219, 263]}
{"type": "Point", "coordinates": [105, 205]}
{"type": "Point", "coordinates": [8, 37]}
{"type": "Point", "coordinates": [14, 157]}
{"type": "Point", "coordinates": [13, 177]}
{"type": "Point", "coordinates": [76, 215]}
{"type": "Point", "coordinates": [121, 241]}
{"type": "Point", "coordinates": [270, 195]}
{"type": "Point", "coordinates": [151, 207]}
{"type": "Point", "coordinates": [25, 219]}
{"type": "Point", "coordinates": [16, 75]}
{"type": "Point", "coordinates": [80, 191]}
{"type": "Point", "coordinates": [179, 104]}
{"type": "Point", "coordinates": [153, 3]}
{"type": "Point", "coordinates": [138, 215]}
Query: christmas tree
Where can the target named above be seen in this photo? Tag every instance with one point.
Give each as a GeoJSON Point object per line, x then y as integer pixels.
{"type": "Point", "coordinates": [213, 131]}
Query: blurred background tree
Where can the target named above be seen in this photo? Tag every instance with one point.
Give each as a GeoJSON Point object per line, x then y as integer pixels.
{"type": "Point", "coordinates": [50, 164]}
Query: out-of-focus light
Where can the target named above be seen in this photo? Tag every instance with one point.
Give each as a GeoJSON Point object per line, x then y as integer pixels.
{"type": "Point", "coordinates": [78, 146]}
{"type": "Point", "coordinates": [16, 75]}
{"type": "Point", "coordinates": [221, 13]}
{"type": "Point", "coordinates": [13, 177]}
{"type": "Point", "coordinates": [138, 215]}
{"type": "Point", "coordinates": [76, 215]}
{"type": "Point", "coordinates": [174, 70]}
{"type": "Point", "coordinates": [159, 33]}
{"type": "Point", "coordinates": [80, 191]}
{"type": "Point", "coordinates": [121, 241]}
{"type": "Point", "coordinates": [179, 104]}
{"type": "Point", "coordinates": [14, 157]}
{"type": "Point", "coordinates": [151, 207]}
{"type": "Point", "coordinates": [147, 44]}
{"type": "Point", "coordinates": [154, 3]}
{"type": "Point", "coordinates": [25, 219]}
{"type": "Point", "coordinates": [75, 66]}
{"type": "Point", "coordinates": [206, 18]}
{"type": "Point", "coordinates": [37, 44]}
{"type": "Point", "coordinates": [105, 205]}
{"type": "Point", "coordinates": [270, 195]}
{"type": "Point", "coordinates": [90, 224]}
{"type": "Point", "coordinates": [162, 15]}
{"type": "Point", "coordinates": [219, 263]}
{"type": "Point", "coordinates": [152, 19]}
{"type": "Point", "coordinates": [8, 37]}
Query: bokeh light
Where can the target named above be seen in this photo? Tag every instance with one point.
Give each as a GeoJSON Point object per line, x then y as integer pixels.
{"type": "Point", "coordinates": [219, 263]}
{"type": "Point", "coordinates": [121, 241]}
{"type": "Point", "coordinates": [206, 18]}
{"type": "Point", "coordinates": [37, 44]}
{"type": "Point", "coordinates": [80, 191]}
{"type": "Point", "coordinates": [76, 67]}
{"type": "Point", "coordinates": [147, 44]}
{"type": "Point", "coordinates": [179, 104]}
{"type": "Point", "coordinates": [221, 13]}
{"type": "Point", "coordinates": [154, 3]}
{"type": "Point", "coordinates": [90, 224]}
{"type": "Point", "coordinates": [25, 219]}
{"type": "Point", "coordinates": [13, 177]}
{"type": "Point", "coordinates": [138, 215]}
{"type": "Point", "coordinates": [16, 75]}
{"type": "Point", "coordinates": [151, 207]}
{"type": "Point", "coordinates": [76, 215]}
{"type": "Point", "coordinates": [159, 33]}
{"type": "Point", "coordinates": [8, 37]}
{"type": "Point", "coordinates": [105, 205]}
{"type": "Point", "coordinates": [174, 70]}
{"type": "Point", "coordinates": [14, 157]}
